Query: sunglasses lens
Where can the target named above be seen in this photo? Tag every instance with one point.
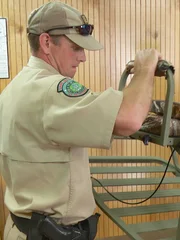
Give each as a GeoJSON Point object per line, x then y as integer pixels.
{"type": "Point", "coordinates": [86, 29]}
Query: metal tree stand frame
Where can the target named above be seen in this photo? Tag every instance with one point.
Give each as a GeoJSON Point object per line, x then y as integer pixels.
{"type": "Point", "coordinates": [138, 186]}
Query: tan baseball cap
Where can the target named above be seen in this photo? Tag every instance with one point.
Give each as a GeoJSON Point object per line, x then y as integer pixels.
{"type": "Point", "coordinates": [58, 18]}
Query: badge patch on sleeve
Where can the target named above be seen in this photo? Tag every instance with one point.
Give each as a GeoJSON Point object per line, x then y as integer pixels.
{"type": "Point", "coordinates": [71, 88]}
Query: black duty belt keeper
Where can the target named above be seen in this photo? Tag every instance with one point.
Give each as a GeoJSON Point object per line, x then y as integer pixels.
{"type": "Point", "coordinates": [41, 227]}
{"type": "Point", "coordinates": [29, 226]}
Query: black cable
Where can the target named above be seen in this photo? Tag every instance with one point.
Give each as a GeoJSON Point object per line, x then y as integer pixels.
{"type": "Point", "coordinates": [129, 203]}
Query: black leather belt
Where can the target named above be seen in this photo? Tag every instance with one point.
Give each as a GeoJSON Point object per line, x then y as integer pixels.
{"type": "Point", "coordinates": [23, 224]}
{"type": "Point", "coordinates": [87, 226]}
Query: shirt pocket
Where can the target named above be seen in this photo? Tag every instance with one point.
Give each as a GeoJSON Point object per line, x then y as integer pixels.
{"type": "Point", "coordinates": [39, 155]}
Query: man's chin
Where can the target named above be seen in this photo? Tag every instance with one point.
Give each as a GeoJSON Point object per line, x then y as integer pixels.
{"type": "Point", "coordinates": [72, 74]}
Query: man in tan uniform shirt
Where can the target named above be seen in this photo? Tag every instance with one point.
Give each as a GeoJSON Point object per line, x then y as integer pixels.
{"type": "Point", "coordinates": [48, 119]}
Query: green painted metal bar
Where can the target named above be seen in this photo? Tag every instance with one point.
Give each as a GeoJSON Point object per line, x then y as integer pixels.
{"type": "Point", "coordinates": [126, 159]}
{"type": "Point", "coordinates": [140, 194]}
{"type": "Point", "coordinates": [144, 210]}
{"type": "Point", "coordinates": [134, 181]}
{"type": "Point", "coordinates": [131, 169]}
{"type": "Point", "coordinates": [155, 225]}
{"type": "Point", "coordinates": [119, 222]}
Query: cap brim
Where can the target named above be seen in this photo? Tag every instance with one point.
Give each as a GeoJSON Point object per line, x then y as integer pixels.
{"type": "Point", "coordinates": [86, 42]}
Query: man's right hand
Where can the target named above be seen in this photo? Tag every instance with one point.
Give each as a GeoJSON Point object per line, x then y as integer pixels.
{"type": "Point", "coordinates": [146, 60]}
{"type": "Point", "coordinates": [137, 96]}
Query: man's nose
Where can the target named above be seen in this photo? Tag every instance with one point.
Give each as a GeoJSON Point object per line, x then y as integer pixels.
{"type": "Point", "coordinates": [82, 56]}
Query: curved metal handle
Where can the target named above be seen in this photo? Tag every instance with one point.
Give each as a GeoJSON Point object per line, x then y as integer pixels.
{"type": "Point", "coordinates": [163, 69]}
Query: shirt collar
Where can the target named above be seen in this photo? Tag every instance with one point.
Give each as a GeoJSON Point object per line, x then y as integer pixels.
{"type": "Point", "coordinates": [36, 62]}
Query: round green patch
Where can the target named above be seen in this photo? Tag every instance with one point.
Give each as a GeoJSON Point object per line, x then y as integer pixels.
{"type": "Point", "coordinates": [71, 88]}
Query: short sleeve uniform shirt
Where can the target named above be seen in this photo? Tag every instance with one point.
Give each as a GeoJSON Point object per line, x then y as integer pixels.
{"type": "Point", "coordinates": [47, 123]}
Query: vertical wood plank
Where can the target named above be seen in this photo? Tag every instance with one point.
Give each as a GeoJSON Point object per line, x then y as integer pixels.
{"type": "Point", "coordinates": [123, 27]}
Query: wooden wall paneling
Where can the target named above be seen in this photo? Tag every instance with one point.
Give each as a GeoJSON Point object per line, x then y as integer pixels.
{"type": "Point", "coordinates": [117, 40]}
{"type": "Point", "coordinates": [3, 83]}
{"type": "Point", "coordinates": [83, 69]}
{"type": "Point", "coordinates": [22, 31]}
{"type": "Point", "coordinates": [87, 76]}
{"type": "Point", "coordinates": [34, 4]}
{"type": "Point", "coordinates": [172, 30]}
{"type": "Point", "coordinates": [12, 43]}
{"type": "Point", "coordinates": [176, 49]}
{"type": "Point", "coordinates": [1, 9]}
{"type": "Point", "coordinates": [91, 15]}
{"type": "Point", "coordinates": [41, 2]}
{"type": "Point", "coordinates": [97, 31]}
{"type": "Point", "coordinates": [102, 41]}
{"type": "Point", "coordinates": [29, 8]}
{"type": "Point", "coordinates": [161, 35]}
{"type": "Point", "coordinates": [18, 35]}
{"type": "Point", "coordinates": [4, 13]}
{"type": "Point", "coordinates": [123, 27]}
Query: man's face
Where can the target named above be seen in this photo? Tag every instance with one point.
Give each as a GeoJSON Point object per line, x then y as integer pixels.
{"type": "Point", "coordinates": [66, 57]}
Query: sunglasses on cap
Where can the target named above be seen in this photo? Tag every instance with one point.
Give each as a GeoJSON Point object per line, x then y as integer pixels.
{"type": "Point", "coordinates": [85, 29]}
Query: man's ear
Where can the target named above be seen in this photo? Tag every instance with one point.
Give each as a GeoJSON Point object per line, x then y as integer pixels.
{"type": "Point", "coordinates": [44, 41]}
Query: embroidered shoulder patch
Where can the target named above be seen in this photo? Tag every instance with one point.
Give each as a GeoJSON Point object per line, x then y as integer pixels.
{"type": "Point", "coordinates": [71, 88]}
